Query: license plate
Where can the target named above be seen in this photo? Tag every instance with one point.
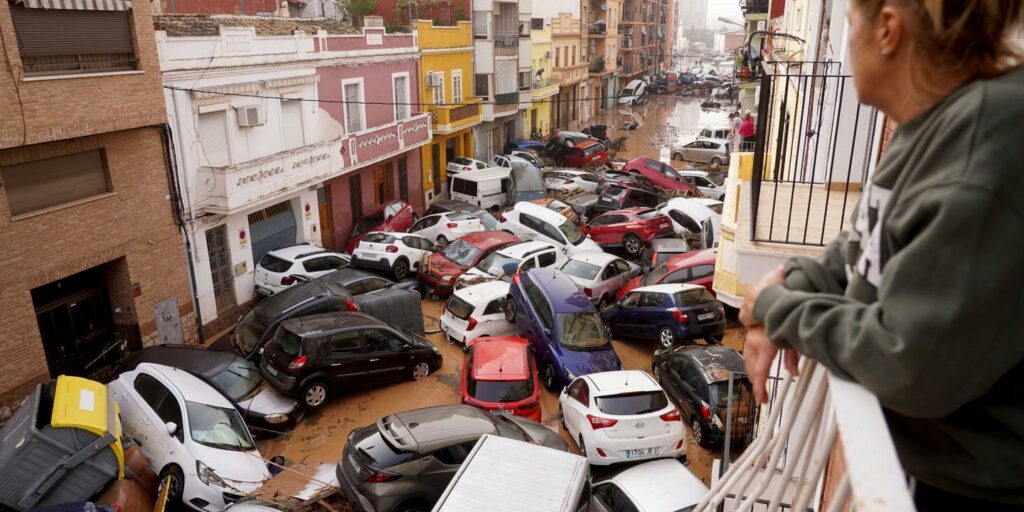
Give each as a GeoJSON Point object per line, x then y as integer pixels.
{"type": "Point", "coordinates": [263, 291]}
{"type": "Point", "coordinates": [370, 256]}
{"type": "Point", "coordinates": [662, 225]}
{"type": "Point", "coordinates": [271, 370]}
{"type": "Point", "coordinates": [642, 452]}
{"type": "Point", "coordinates": [501, 411]}
{"type": "Point", "coordinates": [705, 316]}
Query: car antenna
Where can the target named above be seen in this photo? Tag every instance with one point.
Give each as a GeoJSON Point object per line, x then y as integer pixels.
{"type": "Point", "coordinates": [627, 378]}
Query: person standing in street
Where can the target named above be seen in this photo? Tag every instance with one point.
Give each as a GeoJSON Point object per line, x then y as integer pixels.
{"type": "Point", "coordinates": [921, 300]}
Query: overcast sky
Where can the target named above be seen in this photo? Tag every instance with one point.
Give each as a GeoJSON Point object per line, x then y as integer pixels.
{"type": "Point", "coordinates": [728, 8]}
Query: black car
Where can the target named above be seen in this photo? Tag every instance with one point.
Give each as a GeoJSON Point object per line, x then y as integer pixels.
{"type": "Point", "coordinates": [315, 357]}
{"type": "Point", "coordinates": [360, 282]}
{"type": "Point", "coordinates": [696, 378]}
{"type": "Point", "coordinates": [265, 409]}
{"type": "Point", "coordinates": [617, 198]}
{"type": "Point", "coordinates": [454, 205]}
{"type": "Point", "coordinates": [583, 205]}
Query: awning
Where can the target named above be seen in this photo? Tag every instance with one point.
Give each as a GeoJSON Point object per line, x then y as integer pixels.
{"type": "Point", "coordinates": [79, 5]}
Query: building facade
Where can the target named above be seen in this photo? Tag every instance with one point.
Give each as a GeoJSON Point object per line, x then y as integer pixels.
{"type": "Point", "coordinates": [566, 19]}
{"type": "Point", "coordinates": [637, 35]}
{"type": "Point", "coordinates": [445, 82]}
{"type": "Point", "coordinates": [604, 51]}
{"type": "Point", "coordinates": [545, 83]}
{"type": "Point", "coordinates": [90, 237]}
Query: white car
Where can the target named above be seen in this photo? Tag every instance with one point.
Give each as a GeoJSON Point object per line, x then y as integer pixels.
{"type": "Point", "coordinates": [599, 275]}
{"type": "Point", "coordinates": [476, 311]}
{"type": "Point", "coordinates": [395, 253]}
{"type": "Point", "coordinates": [528, 156]}
{"type": "Point", "coordinates": [702, 180]}
{"type": "Point", "coordinates": [643, 487]}
{"type": "Point", "coordinates": [621, 416]}
{"type": "Point", "coordinates": [278, 268]}
{"type": "Point", "coordinates": [534, 222]}
{"type": "Point", "coordinates": [633, 93]}
{"type": "Point", "coordinates": [461, 164]}
{"type": "Point", "coordinates": [443, 227]}
{"type": "Point", "coordinates": [511, 162]}
{"type": "Point", "coordinates": [705, 151]}
{"type": "Point", "coordinates": [715, 205]}
{"type": "Point", "coordinates": [189, 431]}
{"type": "Point", "coordinates": [571, 181]}
{"type": "Point", "coordinates": [511, 260]}
{"type": "Point", "coordinates": [693, 216]}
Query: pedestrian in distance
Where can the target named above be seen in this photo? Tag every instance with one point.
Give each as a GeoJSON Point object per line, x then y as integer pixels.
{"type": "Point", "coordinates": [748, 131]}
{"type": "Point", "coordinates": [935, 332]}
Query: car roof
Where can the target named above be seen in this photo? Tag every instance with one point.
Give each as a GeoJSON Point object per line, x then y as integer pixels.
{"type": "Point", "coordinates": [431, 428]}
{"type": "Point", "coordinates": [488, 239]}
{"type": "Point", "coordinates": [485, 291]}
{"type": "Point", "coordinates": [484, 174]}
{"type": "Point", "coordinates": [194, 359]}
{"type": "Point", "coordinates": [348, 275]}
{"type": "Point", "coordinates": [707, 201]}
{"type": "Point", "coordinates": [645, 484]}
{"type": "Point", "coordinates": [521, 249]}
{"type": "Point", "coordinates": [588, 143]}
{"type": "Point", "coordinates": [190, 387]}
{"type": "Point", "coordinates": [286, 300]}
{"type": "Point", "coordinates": [541, 212]}
{"type": "Point", "coordinates": [517, 159]}
{"type": "Point", "coordinates": [501, 359]}
{"type": "Point", "coordinates": [669, 245]}
{"type": "Point", "coordinates": [313, 324]}
{"type": "Point", "coordinates": [594, 257]}
{"type": "Point", "coordinates": [455, 205]}
{"type": "Point", "coordinates": [668, 288]}
{"type": "Point", "coordinates": [622, 381]}
{"type": "Point", "coordinates": [687, 259]}
{"type": "Point", "coordinates": [556, 284]}
{"type": "Point", "coordinates": [717, 361]}
{"type": "Point", "coordinates": [695, 172]}
{"type": "Point", "coordinates": [295, 252]}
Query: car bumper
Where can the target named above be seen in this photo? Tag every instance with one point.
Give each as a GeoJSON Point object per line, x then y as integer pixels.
{"type": "Point", "coordinates": [453, 333]}
{"type": "Point", "coordinates": [689, 332]}
{"type": "Point", "coordinates": [207, 498]}
{"type": "Point", "coordinates": [616, 450]}
{"type": "Point", "coordinates": [267, 290]}
{"type": "Point", "coordinates": [280, 380]}
{"type": "Point", "coordinates": [441, 290]}
{"type": "Point", "coordinates": [381, 264]}
{"type": "Point", "coordinates": [348, 487]}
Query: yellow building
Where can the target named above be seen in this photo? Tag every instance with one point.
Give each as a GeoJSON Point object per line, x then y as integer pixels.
{"type": "Point", "coordinates": [446, 84]}
{"type": "Point", "coordinates": [545, 83]}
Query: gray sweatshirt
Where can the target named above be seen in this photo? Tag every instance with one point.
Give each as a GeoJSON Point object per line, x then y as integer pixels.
{"type": "Point", "coordinates": [921, 301]}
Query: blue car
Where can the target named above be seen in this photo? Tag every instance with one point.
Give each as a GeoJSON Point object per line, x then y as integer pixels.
{"type": "Point", "coordinates": [526, 145]}
{"type": "Point", "coordinates": [667, 313]}
{"type": "Point", "coordinates": [565, 331]}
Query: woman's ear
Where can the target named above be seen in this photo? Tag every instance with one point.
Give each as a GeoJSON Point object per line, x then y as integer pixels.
{"type": "Point", "coordinates": [890, 29]}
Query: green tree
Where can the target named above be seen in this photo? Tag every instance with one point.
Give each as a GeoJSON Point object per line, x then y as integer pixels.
{"type": "Point", "coordinates": [357, 9]}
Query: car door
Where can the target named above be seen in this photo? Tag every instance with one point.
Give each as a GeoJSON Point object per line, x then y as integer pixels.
{"type": "Point", "coordinates": [156, 406]}
{"type": "Point", "coordinates": [437, 468]}
{"type": "Point", "coordinates": [705, 186]}
{"type": "Point", "coordinates": [540, 323]}
{"type": "Point", "coordinates": [625, 273]}
{"type": "Point", "coordinates": [345, 358]}
{"type": "Point", "coordinates": [650, 314]}
{"type": "Point", "coordinates": [678, 276]}
{"type": "Point", "coordinates": [609, 281]}
{"type": "Point", "coordinates": [398, 215]}
{"type": "Point", "coordinates": [602, 229]}
{"type": "Point", "coordinates": [689, 381]}
{"type": "Point", "coordinates": [387, 355]}
{"type": "Point", "coordinates": [690, 151]}
{"type": "Point", "coordinates": [625, 317]}
{"type": "Point", "coordinates": [576, 404]}
{"type": "Point", "coordinates": [703, 275]}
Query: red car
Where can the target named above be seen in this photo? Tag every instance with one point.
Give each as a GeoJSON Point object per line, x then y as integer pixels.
{"type": "Point", "coordinates": [696, 267]}
{"type": "Point", "coordinates": [630, 228]}
{"type": "Point", "coordinates": [499, 375]}
{"type": "Point", "coordinates": [661, 175]}
{"type": "Point", "coordinates": [444, 268]}
{"type": "Point", "coordinates": [588, 152]}
{"type": "Point", "coordinates": [395, 216]}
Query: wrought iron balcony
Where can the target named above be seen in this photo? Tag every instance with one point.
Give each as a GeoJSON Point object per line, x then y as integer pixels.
{"type": "Point", "coordinates": [754, 6]}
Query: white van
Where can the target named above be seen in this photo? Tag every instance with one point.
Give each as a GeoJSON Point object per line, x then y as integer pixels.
{"type": "Point", "coordinates": [515, 476]}
{"type": "Point", "coordinates": [487, 188]}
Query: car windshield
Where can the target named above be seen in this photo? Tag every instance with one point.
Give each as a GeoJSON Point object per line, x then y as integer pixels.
{"type": "Point", "coordinates": [582, 331]}
{"type": "Point", "coordinates": [368, 223]}
{"type": "Point", "coordinates": [499, 390]}
{"type": "Point", "coordinates": [626, 404]}
{"type": "Point", "coordinates": [650, 214]}
{"type": "Point", "coordinates": [217, 427]}
{"type": "Point", "coordinates": [249, 331]}
{"type": "Point", "coordinates": [462, 253]}
{"type": "Point", "coordinates": [275, 264]}
{"type": "Point", "coordinates": [238, 379]}
{"type": "Point", "coordinates": [459, 308]}
{"type": "Point", "coordinates": [495, 263]}
{"type": "Point", "coordinates": [572, 233]}
{"type": "Point", "coordinates": [655, 275]}
{"type": "Point", "coordinates": [581, 269]}
{"type": "Point", "coordinates": [693, 297]}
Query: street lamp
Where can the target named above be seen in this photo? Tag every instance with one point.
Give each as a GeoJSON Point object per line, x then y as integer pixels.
{"type": "Point", "coordinates": [723, 19]}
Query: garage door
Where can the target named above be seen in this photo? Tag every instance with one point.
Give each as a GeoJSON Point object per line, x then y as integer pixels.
{"type": "Point", "coordinates": [271, 228]}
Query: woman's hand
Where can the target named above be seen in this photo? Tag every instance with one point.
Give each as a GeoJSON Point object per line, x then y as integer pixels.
{"type": "Point", "coordinates": [758, 354]}
{"type": "Point", "coordinates": [777, 276]}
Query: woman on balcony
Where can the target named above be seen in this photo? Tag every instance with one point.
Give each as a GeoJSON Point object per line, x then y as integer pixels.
{"type": "Point", "coordinates": [921, 300]}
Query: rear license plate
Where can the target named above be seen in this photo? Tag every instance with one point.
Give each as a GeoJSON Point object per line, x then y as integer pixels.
{"type": "Point", "coordinates": [642, 452]}
{"type": "Point", "coordinates": [662, 225]}
{"type": "Point", "coordinates": [369, 256]}
{"type": "Point", "coordinates": [271, 370]}
{"type": "Point", "coordinates": [705, 316]}
{"type": "Point", "coordinates": [263, 291]}
{"type": "Point", "coordinates": [501, 411]}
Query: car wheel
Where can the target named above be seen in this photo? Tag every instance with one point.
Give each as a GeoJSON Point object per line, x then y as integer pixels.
{"type": "Point", "coordinates": [602, 303]}
{"type": "Point", "coordinates": [548, 376]}
{"type": "Point", "coordinates": [561, 418]}
{"type": "Point", "coordinates": [665, 337]}
{"type": "Point", "coordinates": [632, 244]}
{"type": "Point", "coordinates": [510, 310]}
{"type": "Point", "coordinates": [314, 394]}
{"type": "Point", "coordinates": [419, 370]}
{"type": "Point", "coordinates": [583, 447]}
{"type": "Point", "coordinates": [400, 269]}
{"type": "Point", "coordinates": [714, 340]}
{"type": "Point", "coordinates": [716, 162]}
{"type": "Point", "coordinates": [697, 431]}
{"type": "Point", "coordinates": [173, 478]}
{"type": "Point", "coordinates": [442, 240]}
{"type": "Point", "coordinates": [411, 506]}
{"type": "Point", "coordinates": [677, 156]}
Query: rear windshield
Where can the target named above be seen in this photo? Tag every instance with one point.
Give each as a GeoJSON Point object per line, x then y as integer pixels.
{"type": "Point", "coordinates": [593, 149]}
{"type": "Point", "coordinates": [287, 342]}
{"type": "Point", "coordinates": [368, 223]}
{"type": "Point", "coordinates": [379, 238]}
{"type": "Point", "coordinates": [720, 392]}
{"type": "Point", "coordinates": [461, 216]}
{"type": "Point", "coordinates": [238, 379]}
{"type": "Point", "coordinates": [632, 403]}
{"type": "Point", "coordinates": [376, 452]}
{"type": "Point", "coordinates": [693, 297]}
{"type": "Point", "coordinates": [499, 391]}
{"type": "Point", "coordinates": [649, 214]}
{"type": "Point", "coordinates": [459, 308]}
{"type": "Point", "coordinates": [275, 264]}
{"type": "Point", "coordinates": [580, 269]}
{"type": "Point", "coordinates": [582, 331]}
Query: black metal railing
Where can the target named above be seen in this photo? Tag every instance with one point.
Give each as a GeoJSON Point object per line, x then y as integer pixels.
{"type": "Point", "coordinates": [597, 66]}
{"type": "Point", "coordinates": [78, 63]}
{"type": "Point", "coordinates": [506, 41]}
{"type": "Point", "coordinates": [754, 6]}
{"type": "Point", "coordinates": [813, 148]}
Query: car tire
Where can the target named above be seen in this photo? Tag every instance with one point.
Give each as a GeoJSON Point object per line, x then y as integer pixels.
{"type": "Point", "coordinates": [698, 432]}
{"type": "Point", "coordinates": [400, 269]}
{"type": "Point", "coordinates": [176, 483]}
{"type": "Point", "coordinates": [419, 370]}
{"type": "Point", "coordinates": [315, 394]}
{"type": "Point", "coordinates": [677, 156]}
{"type": "Point", "coordinates": [602, 303]}
{"type": "Point", "coordinates": [632, 244]}
{"type": "Point", "coordinates": [714, 340]}
{"type": "Point", "coordinates": [510, 310]}
{"type": "Point", "coordinates": [716, 163]}
{"type": "Point", "coordinates": [547, 375]}
{"type": "Point", "coordinates": [441, 240]}
{"type": "Point", "coordinates": [411, 506]}
{"type": "Point", "coordinates": [666, 338]}
{"type": "Point", "coordinates": [561, 418]}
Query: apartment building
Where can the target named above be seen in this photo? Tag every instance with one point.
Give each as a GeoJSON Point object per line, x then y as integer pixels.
{"type": "Point", "coordinates": [603, 48]}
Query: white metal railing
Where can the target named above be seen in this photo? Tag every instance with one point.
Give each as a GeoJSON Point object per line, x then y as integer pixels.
{"type": "Point", "coordinates": [784, 467]}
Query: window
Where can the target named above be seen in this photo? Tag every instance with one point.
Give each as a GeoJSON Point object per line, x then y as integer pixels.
{"type": "Point", "coordinates": [652, 300]}
{"type": "Point", "coordinates": [456, 86]}
{"type": "Point", "coordinates": [613, 498]}
{"type": "Point", "coordinates": [524, 80]}
{"type": "Point", "coordinates": [679, 276]}
{"type": "Point", "coordinates": [323, 264]}
{"type": "Point", "coordinates": [291, 123]}
{"type": "Point", "coordinates": [455, 454]}
{"type": "Point", "coordinates": [558, 57]}
{"type": "Point", "coordinates": [438, 91]}
{"type": "Point", "coordinates": [344, 343]}
{"type": "Point", "coordinates": [493, 308]}
{"type": "Point", "coordinates": [150, 389]}
{"type": "Point", "coordinates": [64, 40]}
{"type": "Point", "coordinates": [355, 111]}
{"type": "Point", "coordinates": [379, 340]}
{"type": "Point", "coordinates": [34, 186]}
{"type": "Point", "coordinates": [631, 300]}
{"type": "Point", "coordinates": [481, 20]}
{"type": "Point", "coordinates": [536, 23]}
{"type": "Point", "coordinates": [213, 138]}
{"type": "Point", "coordinates": [574, 55]}
{"type": "Point", "coordinates": [540, 304]}
{"type": "Point", "coordinates": [403, 178]}
{"type": "Point", "coordinates": [400, 84]}
{"type": "Point", "coordinates": [546, 259]}
{"type": "Point", "coordinates": [480, 86]}
{"type": "Point", "coordinates": [700, 271]}
{"type": "Point", "coordinates": [609, 272]}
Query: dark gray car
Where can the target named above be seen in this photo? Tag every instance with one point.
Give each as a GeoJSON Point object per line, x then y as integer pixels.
{"type": "Point", "coordinates": [406, 460]}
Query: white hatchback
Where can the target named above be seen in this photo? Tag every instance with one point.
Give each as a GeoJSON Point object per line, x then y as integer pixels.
{"type": "Point", "coordinates": [512, 259]}
{"type": "Point", "coordinates": [191, 433]}
{"type": "Point", "coordinates": [534, 222]}
{"type": "Point", "coordinates": [599, 275]}
{"type": "Point", "coordinates": [395, 253]}
{"type": "Point", "coordinates": [462, 164]}
{"type": "Point", "coordinates": [278, 268]}
{"type": "Point", "coordinates": [621, 416]}
{"type": "Point", "coordinates": [643, 487]}
{"type": "Point", "coordinates": [476, 311]}
{"type": "Point", "coordinates": [443, 227]}
{"type": "Point", "coordinates": [702, 180]}
{"type": "Point", "coordinates": [571, 181]}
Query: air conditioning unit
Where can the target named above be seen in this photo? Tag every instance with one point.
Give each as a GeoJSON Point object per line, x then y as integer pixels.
{"type": "Point", "coordinates": [547, 55]}
{"type": "Point", "coordinates": [249, 116]}
{"type": "Point", "coordinates": [435, 79]}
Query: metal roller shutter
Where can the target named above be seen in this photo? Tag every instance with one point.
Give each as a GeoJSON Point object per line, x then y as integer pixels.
{"type": "Point", "coordinates": [270, 228]}
{"type": "Point", "coordinates": [43, 32]}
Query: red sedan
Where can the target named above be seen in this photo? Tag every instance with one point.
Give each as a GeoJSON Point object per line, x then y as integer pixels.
{"type": "Point", "coordinates": [444, 268]}
{"type": "Point", "coordinates": [630, 228]}
{"type": "Point", "coordinates": [696, 267]}
{"type": "Point", "coordinates": [499, 375]}
{"type": "Point", "coordinates": [588, 152]}
{"type": "Point", "coordinates": [661, 175]}
{"type": "Point", "coordinates": [395, 216]}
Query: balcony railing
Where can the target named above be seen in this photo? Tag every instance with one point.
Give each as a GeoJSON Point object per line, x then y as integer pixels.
{"type": "Point", "coordinates": [78, 63]}
{"type": "Point", "coordinates": [506, 99]}
{"type": "Point", "coordinates": [545, 82]}
{"type": "Point", "coordinates": [784, 468]}
{"type": "Point", "coordinates": [448, 118]}
{"type": "Point", "coordinates": [597, 66]}
{"type": "Point", "coordinates": [754, 6]}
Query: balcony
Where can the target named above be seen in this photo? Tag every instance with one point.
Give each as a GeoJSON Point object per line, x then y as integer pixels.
{"type": "Point", "coordinates": [381, 142]}
{"type": "Point", "coordinates": [597, 67]}
{"type": "Point", "coordinates": [447, 119]}
{"type": "Point", "coordinates": [544, 88]}
{"type": "Point", "coordinates": [598, 28]}
{"type": "Point", "coordinates": [750, 7]}
{"type": "Point", "coordinates": [506, 46]}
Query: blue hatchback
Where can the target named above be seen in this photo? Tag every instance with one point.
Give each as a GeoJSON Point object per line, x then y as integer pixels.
{"type": "Point", "coordinates": [667, 313]}
{"type": "Point", "coordinates": [564, 329]}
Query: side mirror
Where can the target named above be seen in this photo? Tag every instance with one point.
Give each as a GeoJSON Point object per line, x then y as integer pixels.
{"type": "Point", "coordinates": [406, 348]}
{"type": "Point", "coordinates": [172, 427]}
{"type": "Point", "coordinates": [547, 331]}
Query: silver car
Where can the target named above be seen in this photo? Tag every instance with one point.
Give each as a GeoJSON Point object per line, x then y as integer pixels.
{"type": "Point", "coordinates": [599, 275]}
{"type": "Point", "coordinates": [705, 151]}
{"type": "Point", "coordinates": [406, 460]}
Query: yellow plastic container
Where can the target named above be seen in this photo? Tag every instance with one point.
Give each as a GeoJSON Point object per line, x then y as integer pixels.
{"type": "Point", "coordinates": [85, 404]}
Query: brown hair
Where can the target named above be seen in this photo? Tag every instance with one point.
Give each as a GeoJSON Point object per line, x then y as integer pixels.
{"type": "Point", "coordinates": [977, 38]}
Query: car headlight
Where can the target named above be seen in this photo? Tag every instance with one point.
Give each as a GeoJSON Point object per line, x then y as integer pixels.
{"type": "Point", "coordinates": [276, 418]}
{"type": "Point", "coordinates": [207, 476]}
{"type": "Point", "coordinates": [435, 349]}
{"type": "Point", "coordinates": [446, 279]}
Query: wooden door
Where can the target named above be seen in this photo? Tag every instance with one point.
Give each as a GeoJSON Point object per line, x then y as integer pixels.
{"type": "Point", "coordinates": [323, 199]}
{"type": "Point", "coordinates": [380, 184]}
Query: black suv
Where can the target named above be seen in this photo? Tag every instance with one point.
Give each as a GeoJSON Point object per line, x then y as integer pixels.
{"type": "Point", "coordinates": [616, 198]}
{"type": "Point", "coordinates": [314, 357]}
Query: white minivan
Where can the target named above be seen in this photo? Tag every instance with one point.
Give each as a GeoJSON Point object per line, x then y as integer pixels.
{"type": "Point", "coordinates": [486, 188]}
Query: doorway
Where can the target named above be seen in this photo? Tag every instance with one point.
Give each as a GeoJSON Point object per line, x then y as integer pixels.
{"type": "Point", "coordinates": [323, 201]}
{"type": "Point", "coordinates": [220, 268]}
{"type": "Point", "coordinates": [435, 171]}
{"type": "Point", "coordinates": [381, 183]}
{"type": "Point", "coordinates": [272, 227]}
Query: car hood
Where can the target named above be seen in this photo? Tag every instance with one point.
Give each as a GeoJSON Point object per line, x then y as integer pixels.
{"type": "Point", "coordinates": [586, 245]}
{"type": "Point", "coordinates": [233, 466]}
{"type": "Point", "coordinates": [267, 400]}
{"type": "Point", "coordinates": [540, 434]}
{"type": "Point", "coordinates": [441, 266]}
{"type": "Point", "coordinates": [583, 362]}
